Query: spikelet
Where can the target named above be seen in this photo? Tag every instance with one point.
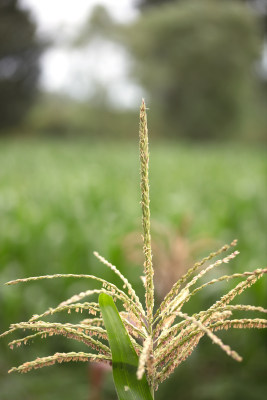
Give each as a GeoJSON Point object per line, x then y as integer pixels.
{"type": "Point", "coordinates": [131, 291]}
{"type": "Point", "coordinates": [59, 358]}
{"type": "Point", "coordinates": [78, 297]}
{"type": "Point", "coordinates": [7, 332]}
{"type": "Point", "coordinates": [91, 308]}
{"type": "Point", "coordinates": [179, 348]}
{"type": "Point", "coordinates": [252, 278]}
{"type": "Point", "coordinates": [244, 323]}
{"type": "Point", "coordinates": [228, 308]}
{"type": "Point", "coordinates": [167, 318]}
{"type": "Point", "coordinates": [93, 322]}
{"type": "Point", "coordinates": [185, 295]}
{"type": "Point", "coordinates": [133, 326]}
{"type": "Point", "coordinates": [25, 340]}
{"type": "Point", "coordinates": [210, 267]}
{"type": "Point", "coordinates": [112, 289]}
{"type": "Point", "coordinates": [225, 278]}
{"type": "Point", "coordinates": [170, 346]}
{"type": "Point", "coordinates": [144, 162]}
{"type": "Point", "coordinates": [174, 291]}
{"type": "Point", "coordinates": [169, 333]}
{"type": "Point", "coordinates": [213, 337]}
{"type": "Point", "coordinates": [143, 359]}
{"type": "Point", "coordinates": [174, 359]}
{"type": "Point", "coordinates": [67, 331]}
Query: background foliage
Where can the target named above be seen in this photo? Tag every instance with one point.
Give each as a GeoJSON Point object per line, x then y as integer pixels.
{"type": "Point", "coordinates": [195, 60]}
{"type": "Point", "coordinates": [19, 70]}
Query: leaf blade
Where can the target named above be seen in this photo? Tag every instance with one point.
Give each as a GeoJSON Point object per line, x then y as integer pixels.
{"type": "Point", "coordinates": [124, 357]}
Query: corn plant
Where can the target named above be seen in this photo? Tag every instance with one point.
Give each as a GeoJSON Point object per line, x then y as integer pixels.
{"type": "Point", "coordinates": [143, 347]}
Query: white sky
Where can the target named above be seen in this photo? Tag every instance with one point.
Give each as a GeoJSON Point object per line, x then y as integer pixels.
{"type": "Point", "coordinates": [74, 71]}
{"type": "Point", "coordinates": [50, 14]}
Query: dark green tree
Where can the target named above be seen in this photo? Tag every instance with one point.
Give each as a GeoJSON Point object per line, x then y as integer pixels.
{"type": "Point", "coordinates": [19, 68]}
{"type": "Point", "coordinates": [195, 59]}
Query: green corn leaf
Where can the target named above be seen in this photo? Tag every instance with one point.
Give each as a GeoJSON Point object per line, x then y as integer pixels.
{"type": "Point", "coordinates": [124, 357]}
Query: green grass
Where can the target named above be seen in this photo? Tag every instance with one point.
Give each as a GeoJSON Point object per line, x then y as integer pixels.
{"type": "Point", "coordinates": [60, 201]}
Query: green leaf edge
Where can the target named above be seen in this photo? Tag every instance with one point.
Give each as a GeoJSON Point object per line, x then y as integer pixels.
{"type": "Point", "coordinates": [124, 357]}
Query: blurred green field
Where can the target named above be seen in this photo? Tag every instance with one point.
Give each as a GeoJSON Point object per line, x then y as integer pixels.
{"type": "Point", "coordinates": [60, 201]}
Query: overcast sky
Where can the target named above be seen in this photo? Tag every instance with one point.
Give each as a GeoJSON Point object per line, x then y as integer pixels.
{"type": "Point", "coordinates": [52, 13]}
{"type": "Point", "coordinates": [73, 71]}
